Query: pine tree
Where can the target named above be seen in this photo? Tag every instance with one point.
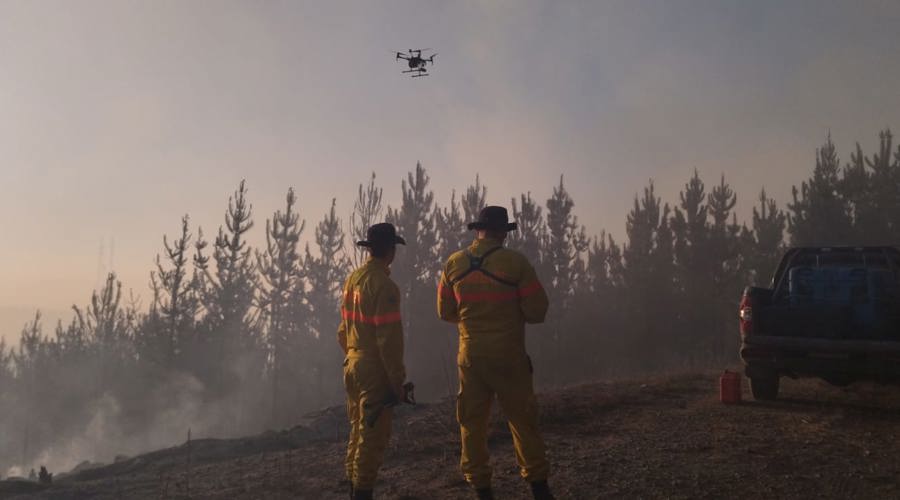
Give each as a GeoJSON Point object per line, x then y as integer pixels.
{"type": "Point", "coordinates": [451, 228]}
{"type": "Point", "coordinates": [35, 370]}
{"type": "Point", "coordinates": [874, 193]}
{"type": "Point", "coordinates": [565, 246]}
{"type": "Point", "coordinates": [664, 251]}
{"type": "Point", "coordinates": [366, 212]}
{"type": "Point", "coordinates": [664, 293]}
{"type": "Point", "coordinates": [641, 226]}
{"type": "Point", "coordinates": [325, 274]}
{"type": "Point", "coordinates": [604, 265]}
{"type": "Point", "coordinates": [102, 318]}
{"type": "Point", "coordinates": [107, 329]}
{"type": "Point", "coordinates": [7, 392]}
{"type": "Point", "coordinates": [895, 212]}
{"type": "Point", "coordinates": [691, 233]}
{"type": "Point", "coordinates": [6, 367]}
{"type": "Point", "coordinates": [598, 303]}
{"type": "Point", "coordinates": [228, 297]}
{"type": "Point", "coordinates": [647, 280]}
{"type": "Point", "coordinates": [174, 302]}
{"type": "Point", "coordinates": [416, 270]}
{"type": "Point", "coordinates": [819, 214]}
{"type": "Point", "coordinates": [282, 305]}
{"type": "Point", "coordinates": [474, 200]}
{"type": "Point", "coordinates": [693, 266]}
{"type": "Point", "coordinates": [532, 232]}
{"type": "Point", "coordinates": [201, 347]}
{"type": "Point", "coordinates": [767, 239]}
{"type": "Point", "coordinates": [530, 239]}
{"type": "Point", "coordinates": [31, 350]}
{"type": "Point", "coordinates": [72, 339]}
{"type": "Point", "coordinates": [566, 243]}
{"type": "Point", "coordinates": [729, 271]}
{"type": "Point", "coordinates": [451, 222]}
{"type": "Point", "coordinates": [10, 418]}
{"type": "Point", "coordinates": [855, 187]}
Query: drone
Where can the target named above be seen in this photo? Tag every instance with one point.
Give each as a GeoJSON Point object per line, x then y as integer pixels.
{"type": "Point", "coordinates": [416, 62]}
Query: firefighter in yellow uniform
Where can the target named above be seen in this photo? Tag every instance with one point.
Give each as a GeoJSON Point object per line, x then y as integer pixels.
{"type": "Point", "coordinates": [371, 335]}
{"type": "Point", "coordinates": [491, 292]}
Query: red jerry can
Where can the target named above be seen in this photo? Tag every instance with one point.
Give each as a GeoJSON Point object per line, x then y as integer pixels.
{"type": "Point", "coordinates": [730, 387]}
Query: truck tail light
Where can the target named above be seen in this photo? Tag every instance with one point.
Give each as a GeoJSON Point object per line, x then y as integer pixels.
{"type": "Point", "coordinates": [746, 315]}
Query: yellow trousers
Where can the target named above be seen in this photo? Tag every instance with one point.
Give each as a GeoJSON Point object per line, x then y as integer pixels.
{"type": "Point", "coordinates": [480, 379]}
{"type": "Point", "coordinates": [367, 389]}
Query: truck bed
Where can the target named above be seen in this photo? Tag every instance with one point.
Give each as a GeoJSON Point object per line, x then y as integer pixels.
{"type": "Point", "coordinates": [832, 313]}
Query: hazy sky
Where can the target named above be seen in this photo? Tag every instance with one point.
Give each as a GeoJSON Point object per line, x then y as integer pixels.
{"type": "Point", "coordinates": [120, 116]}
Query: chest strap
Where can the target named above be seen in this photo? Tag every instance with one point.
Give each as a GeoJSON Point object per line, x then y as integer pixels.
{"type": "Point", "coordinates": [476, 264]}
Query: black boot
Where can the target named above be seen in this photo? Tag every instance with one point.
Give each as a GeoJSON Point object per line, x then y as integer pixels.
{"type": "Point", "coordinates": [541, 491]}
{"type": "Point", "coordinates": [351, 492]}
{"type": "Point", "coordinates": [485, 493]}
{"type": "Point", "coordinates": [362, 494]}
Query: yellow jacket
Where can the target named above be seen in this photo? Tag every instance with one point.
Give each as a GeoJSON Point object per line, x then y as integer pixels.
{"type": "Point", "coordinates": [370, 325]}
{"type": "Point", "coordinates": [491, 305]}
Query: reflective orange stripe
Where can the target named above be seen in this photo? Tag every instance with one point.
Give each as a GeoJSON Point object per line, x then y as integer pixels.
{"type": "Point", "coordinates": [445, 291]}
{"type": "Point", "coordinates": [487, 296]}
{"type": "Point", "coordinates": [530, 289]}
{"type": "Point", "coordinates": [383, 319]}
{"type": "Point", "coordinates": [499, 296]}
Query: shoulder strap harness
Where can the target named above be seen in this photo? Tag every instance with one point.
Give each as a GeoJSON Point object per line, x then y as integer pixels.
{"type": "Point", "coordinates": [476, 263]}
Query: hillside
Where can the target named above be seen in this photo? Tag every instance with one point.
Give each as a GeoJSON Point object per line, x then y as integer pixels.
{"type": "Point", "coordinates": [662, 437]}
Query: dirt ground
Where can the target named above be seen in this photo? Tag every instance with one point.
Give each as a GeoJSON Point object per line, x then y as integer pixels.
{"type": "Point", "coordinates": [662, 437]}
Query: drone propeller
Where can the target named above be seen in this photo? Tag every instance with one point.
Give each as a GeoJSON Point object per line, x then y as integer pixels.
{"type": "Point", "coordinates": [431, 59]}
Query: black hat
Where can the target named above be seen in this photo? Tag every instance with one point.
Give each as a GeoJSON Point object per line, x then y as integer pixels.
{"type": "Point", "coordinates": [382, 234]}
{"type": "Point", "coordinates": [493, 218]}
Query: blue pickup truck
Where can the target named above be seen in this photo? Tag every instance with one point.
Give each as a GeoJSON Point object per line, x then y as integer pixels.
{"type": "Point", "coordinates": [830, 312]}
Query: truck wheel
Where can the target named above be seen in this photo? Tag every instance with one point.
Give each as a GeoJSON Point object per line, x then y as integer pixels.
{"type": "Point", "coordinates": [764, 388]}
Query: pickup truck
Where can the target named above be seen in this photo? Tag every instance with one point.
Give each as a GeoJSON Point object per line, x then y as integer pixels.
{"type": "Point", "coordinates": [830, 312]}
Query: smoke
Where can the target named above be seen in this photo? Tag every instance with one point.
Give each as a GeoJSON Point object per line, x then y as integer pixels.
{"type": "Point", "coordinates": [101, 432]}
{"type": "Point", "coordinates": [108, 432]}
{"type": "Point", "coordinates": [15, 471]}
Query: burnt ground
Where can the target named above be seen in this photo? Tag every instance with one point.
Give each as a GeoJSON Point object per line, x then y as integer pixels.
{"type": "Point", "coordinates": [661, 437]}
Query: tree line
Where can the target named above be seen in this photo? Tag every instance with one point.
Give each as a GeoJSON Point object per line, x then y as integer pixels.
{"type": "Point", "coordinates": [236, 339]}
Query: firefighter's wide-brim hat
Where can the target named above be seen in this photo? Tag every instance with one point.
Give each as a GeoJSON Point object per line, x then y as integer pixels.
{"type": "Point", "coordinates": [381, 235]}
{"type": "Point", "coordinates": [493, 218]}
